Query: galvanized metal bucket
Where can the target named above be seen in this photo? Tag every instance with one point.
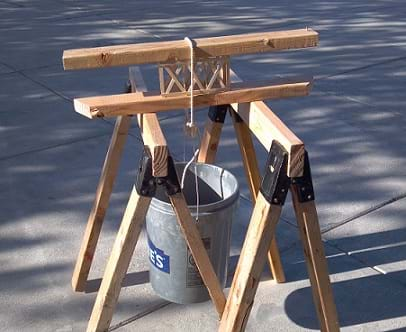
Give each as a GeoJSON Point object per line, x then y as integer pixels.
{"type": "Point", "coordinates": [173, 273]}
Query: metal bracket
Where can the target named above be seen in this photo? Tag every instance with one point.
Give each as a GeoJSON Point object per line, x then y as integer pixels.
{"type": "Point", "coordinates": [304, 184]}
{"type": "Point", "coordinates": [236, 116]}
{"type": "Point", "coordinates": [171, 181]}
{"type": "Point", "coordinates": [146, 183]}
{"type": "Point", "coordinates": [275, 182]}
{"type": "Point", "coordinates": [218, 113]}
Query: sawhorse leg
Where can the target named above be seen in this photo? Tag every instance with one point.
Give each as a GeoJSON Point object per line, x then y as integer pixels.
{"type": "Point", "coordinates": [252, 173]}
{"type": "Point", "coordinates": [211, 135]}
{"type": "Point", "coordinates": [118, 262]}
{"type": "Point", "coordinates": [309, 230]}
{"type": "Point", "coordinates": [207, 154]}
{"type": "Point", "coordinates": [101, 202]}
{"type": "Point", "coordinates": [261, 231]}
{"type": "Point", "coordinates": [273, 191]}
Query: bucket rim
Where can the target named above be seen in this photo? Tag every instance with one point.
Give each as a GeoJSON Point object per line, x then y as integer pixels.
{"type": "Point", "coordinates": [204, 208]}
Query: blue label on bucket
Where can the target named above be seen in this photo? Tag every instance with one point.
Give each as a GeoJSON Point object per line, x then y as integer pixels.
{"type": "Point", "coordinates": [158, 258]}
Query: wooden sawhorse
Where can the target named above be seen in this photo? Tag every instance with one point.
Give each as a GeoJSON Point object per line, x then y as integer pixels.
{"type": "Point", "coordinates": [287, 168]}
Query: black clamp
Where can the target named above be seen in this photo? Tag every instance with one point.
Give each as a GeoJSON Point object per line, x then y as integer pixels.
{"type": "Point", "coordinates": [146, 183]}
{"type": "Point", "coordinates": [236, 116]}
{"type": "Point", "coordinates": [304, 184]}
{"type": "Point", "coordinates": [218, 113]}
{"type": "Point", "coordinates": [275, 182]}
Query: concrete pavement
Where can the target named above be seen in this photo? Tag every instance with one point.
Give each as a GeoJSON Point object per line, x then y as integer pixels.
{"type": "Point", "coordinates": [353, 125]}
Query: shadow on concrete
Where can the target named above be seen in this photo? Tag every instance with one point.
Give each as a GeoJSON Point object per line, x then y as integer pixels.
{"type": "Point", "coordinates": [359, 301]}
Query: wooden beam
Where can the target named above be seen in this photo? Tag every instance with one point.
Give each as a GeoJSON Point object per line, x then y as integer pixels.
{"type": "Point", "coordinates": [126, 104]}
{"type": "Point", "coordinates": [150, 129]}
{"type": "Point", "coordinates": [103, 192]}
{"type": "Point", "coordinates": [252, 173]}
{"type": "Point", "coordinates": [101, 202]}
{"type": "Point", "coordinates": [261, 231]}
{"type": "Point", "coordinates": [316, 262]}
{"type": "Point", "coordinates": [211, 135]}
{"type": "Point", "coordinates": [266, 126]}
{"type": "Point", "coordinates": [118, 262]}
{"type": "Point", "coordinates": [193, 239]}
{"type": "Point", "coordinates": [169, 51]}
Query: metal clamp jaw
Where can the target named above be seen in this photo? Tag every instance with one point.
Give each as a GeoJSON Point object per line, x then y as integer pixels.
{"type": "Point", "coordinates": [218, 113]}
{"type": "Point", "coordinates": [146, 183]}
{"type": "Point", "coordinates": [275, 182]}
{"type": "Point", "coordinates": [304, 184]}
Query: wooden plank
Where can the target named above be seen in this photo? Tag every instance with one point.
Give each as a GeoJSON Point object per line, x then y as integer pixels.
{"type": "Point", "coordinates": [211, 137]}
{"type": "Point", "coordinates": [209, 142]}
{"type": "Point", "coordinates": [252, 173]}
{"type": "Point", "coordinates": [101, 202]}
{"type": "Point", "coordinates": [169, 51]}
{"type": "Point", "coordinates": [266, 126]}
{"type": "Point", "coordinates": [316, 262]}
{"type": "Point", "coordinates": [129, 104]}
{"type": "Point", "coordinates": [261, 231]}
{"type": "Point", "coordinates": [151, 132]}
{"type": "Point", "coordinates": [199, 253]}
{"type": "Point", "coordinates": [118, 262]}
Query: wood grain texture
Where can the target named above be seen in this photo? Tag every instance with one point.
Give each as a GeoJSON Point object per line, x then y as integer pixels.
{"type": "Point", "coordinates": [170, 51]}
{"type": "Point", "coordinates": [261, 231]}
{"type": "Point", "coordinates": [100, 204]}
{"type": "Point", "coordinates": [150, 129]}
{"type": "Point", "coordinates": [118, 262]}
{"type": "Point", "coordinates": [193, 239]}
{"type": "Point", "coordinates": [253, 176]}
{"type": "Point", "coordinates": [209, 142]}
{"type": "Point", "coordinates": [152, 102]}
{"type": "Point", "coordinates": [316, 262]}
{"type": "Point", "coordinates": [267, 126]}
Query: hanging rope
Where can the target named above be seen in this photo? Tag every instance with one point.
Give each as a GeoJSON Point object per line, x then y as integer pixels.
{"type": "Point", "coordinates": [192, 129]}
{"type": "Point", "coordinates": [191, 124]}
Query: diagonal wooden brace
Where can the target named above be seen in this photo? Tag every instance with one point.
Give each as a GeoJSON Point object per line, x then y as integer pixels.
{"type": "Point", "coordinates": [251, 168]}
{"type": "Point", "coordinates": [193, 239]}
{"type": "Point", "coordinates": [211, 135]}
{"type": "Point", "coordinates": [107, 179]}
{"type": "Point", "coordinates": [261, 231]}
{"type": "Point", "coordinates": [118, 262]}
{"type": "Point", "coordinates": [309, 230]}
{"type": "Point", "coordinates": [207, 154]}
{"type": "Point", "coordinates": [101, 202]}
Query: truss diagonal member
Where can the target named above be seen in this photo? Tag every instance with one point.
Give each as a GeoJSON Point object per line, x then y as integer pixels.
{"type": "Point", "coordinates": [174, 79]}
{"type": "Point", "coordinates": [195, 80]}
{"type": "Point", "coordinates": [215, 76]}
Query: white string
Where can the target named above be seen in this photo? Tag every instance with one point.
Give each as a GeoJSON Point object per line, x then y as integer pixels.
{"type": "Point", "coordinates": [182, 182]}
{"type": "Point", "coordinates": [197, 192]}
{"type": "Point", "coordinates": [192, 128]}
{"type": "Point", "coordinates": [190, 43]}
